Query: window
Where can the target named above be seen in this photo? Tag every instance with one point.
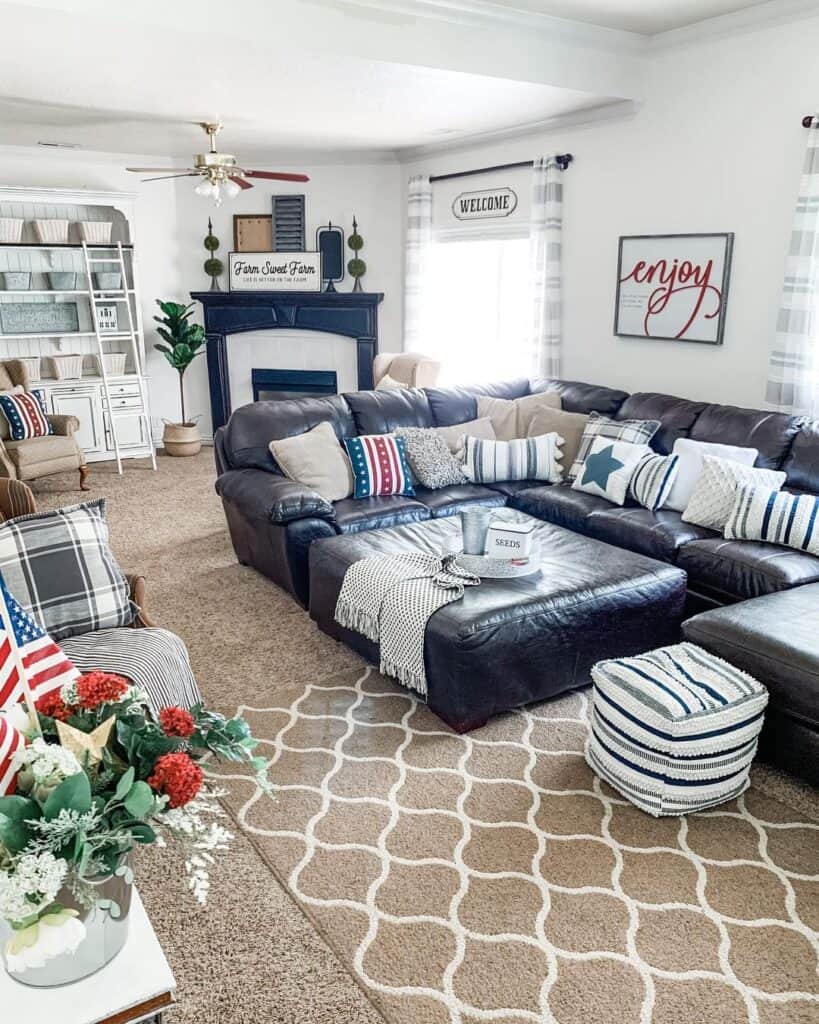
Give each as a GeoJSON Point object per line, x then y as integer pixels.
{"type": "Point", "coordinates": [477, 309]}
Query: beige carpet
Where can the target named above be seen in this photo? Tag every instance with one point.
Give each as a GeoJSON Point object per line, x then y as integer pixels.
{"type": "Point", "coordinates": [487, 877]}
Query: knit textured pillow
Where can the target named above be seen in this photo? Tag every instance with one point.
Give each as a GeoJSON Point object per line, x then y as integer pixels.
{"type": "Point", "coordinates": [525, 458]}
{"type": "Point", "coordinates": [761, 513]}
{"type": "Point", "coordinates": [713, 499]}
{"type": "Point", "coordinates": [432, 463]}
{"type": "Point", "coordinates": [25, 415]}
{"type": "Point", "coordinates": [633, 431]}
{"type": "Point", "coordinates": [653, 479]}
{"type": "Point", "coordinates": [379, 464]}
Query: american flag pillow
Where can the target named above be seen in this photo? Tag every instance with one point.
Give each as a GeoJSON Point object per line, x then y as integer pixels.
{"type": "Point", "coordinates": [25, 416]}
{"type": "Point", "coordinates": [11, 740]}
{"type": "Point", "coordinates": [379, 464]}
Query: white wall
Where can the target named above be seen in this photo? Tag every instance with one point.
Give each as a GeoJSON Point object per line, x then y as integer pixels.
{"type": "Point", "coordinates": [172, 223]}
{"type": "Point", "coordinates": [717, 146]}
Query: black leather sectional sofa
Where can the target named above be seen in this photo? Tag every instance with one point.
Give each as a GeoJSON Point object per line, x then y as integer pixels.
{"type": "Point", "coordinates": [273, 521]}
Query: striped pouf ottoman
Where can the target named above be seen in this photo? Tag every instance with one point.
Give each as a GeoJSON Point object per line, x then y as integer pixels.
{"type": "Point", "coordinates": [674, 730]}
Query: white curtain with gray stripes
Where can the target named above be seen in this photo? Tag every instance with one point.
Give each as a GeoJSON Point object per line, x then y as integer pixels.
{"type": "Point", "coordinates": [793, 368]}
{"type": "Point", "coordinates": [419, 236]}
{"type": "Point", "coordinates": [545, 231]}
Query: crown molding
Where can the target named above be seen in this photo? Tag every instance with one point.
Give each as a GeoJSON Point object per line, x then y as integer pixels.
{"type": "Point", "coordinates": [616, 111]}
{"type": "Point", "coordinates": [760, 16]}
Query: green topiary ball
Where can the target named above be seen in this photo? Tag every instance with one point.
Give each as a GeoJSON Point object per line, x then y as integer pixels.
{"type": "Point", "coordinates": [211, 243]}
{"type": "Point", "coordinates": [357, 268]}
{"type": "Point", "coordinates": [214, 267]}
{"type": "Point", "coordinates": [355, 242]}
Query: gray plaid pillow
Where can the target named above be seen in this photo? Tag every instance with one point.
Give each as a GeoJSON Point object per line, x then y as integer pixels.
{"type": "Point", "coordinates": [633, 431]}
{"type": "Point", "coordinates": [60, 568]}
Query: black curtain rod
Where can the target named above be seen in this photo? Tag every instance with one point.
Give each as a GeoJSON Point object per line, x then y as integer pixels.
{"type": "Point", "coordinates": [563, 161]}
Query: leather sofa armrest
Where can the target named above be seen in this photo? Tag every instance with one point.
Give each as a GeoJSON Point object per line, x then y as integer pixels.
{"type": "Point", "coordinates": [64, 426]}
{"type": "Point", "coordinates": [270, 497]}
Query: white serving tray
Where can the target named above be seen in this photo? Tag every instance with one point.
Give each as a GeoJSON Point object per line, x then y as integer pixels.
{"type": "Point", "coordinates": [496, 568]}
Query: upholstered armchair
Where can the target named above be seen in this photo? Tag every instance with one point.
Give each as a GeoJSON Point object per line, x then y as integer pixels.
{"type": "Point", "coordinates": [38, 456]}
{"type": "Point", "coordinates": [405, 369]}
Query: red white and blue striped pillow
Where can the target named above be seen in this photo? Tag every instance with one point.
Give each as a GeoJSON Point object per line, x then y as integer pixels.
{"type": "Point", "coordinates": [25, 415]}
{"type": "Point", "coordinates": [379, 464]}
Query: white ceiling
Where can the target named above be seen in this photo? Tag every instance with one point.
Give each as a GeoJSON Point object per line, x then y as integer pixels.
{"type": "Point", "coordinates": [647, 17]}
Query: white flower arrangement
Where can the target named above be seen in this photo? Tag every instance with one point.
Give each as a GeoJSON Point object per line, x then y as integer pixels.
{"type": "Point", "coordinates": [30, 886]}
{"type": "Point", "coordinates": [200, 838]}
{"type": "Point", "coordinates": [52, 935]}
{"type": "Point", "coordinates": [47, 762]}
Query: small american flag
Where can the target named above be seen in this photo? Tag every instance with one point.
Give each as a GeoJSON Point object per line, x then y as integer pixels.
{"type": "Point", "coordinates": [10, 741]}
{"type": "Point", "coordinates": [45, 666]}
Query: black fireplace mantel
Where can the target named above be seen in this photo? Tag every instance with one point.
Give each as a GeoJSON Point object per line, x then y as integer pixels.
{"type": "Point", "coordinates": [353, 314]}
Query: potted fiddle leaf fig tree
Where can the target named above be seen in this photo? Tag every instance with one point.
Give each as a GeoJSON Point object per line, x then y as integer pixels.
{"type": "Point", "coordinates": [183, 342]}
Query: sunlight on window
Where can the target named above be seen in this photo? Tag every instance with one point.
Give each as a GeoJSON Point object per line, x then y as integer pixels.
{"type": "Point", "coordinates": [476, 309]}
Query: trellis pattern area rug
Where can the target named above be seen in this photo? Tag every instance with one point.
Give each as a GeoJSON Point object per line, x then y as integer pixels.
{"type": "Point", "coordinates": [493, 877]}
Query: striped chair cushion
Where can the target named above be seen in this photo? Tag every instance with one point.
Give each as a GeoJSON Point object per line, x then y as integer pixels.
{"type": "Point", "coordinates": [25, 415]}
{"type": "Point", "coordinates": [526, 458]}
{"type": "Point", "coordinates": [760, 513]}
{"type": "Point", "coordinates": [674, 730]}
{"type": "Point", "coordinates": [379, 464]}
{"type": "Point", "coordinates": [653, 479]}
{"type": "Point", "coordinates": [634, 431]}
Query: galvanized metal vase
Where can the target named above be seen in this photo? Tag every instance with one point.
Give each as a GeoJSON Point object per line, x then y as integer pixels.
{"type": "Point", "coordinates": [106, 925]}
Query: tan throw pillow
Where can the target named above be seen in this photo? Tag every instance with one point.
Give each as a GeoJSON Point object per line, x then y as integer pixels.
{"type": "Point", "coordinates": [570, 426]}
{"type": "Point", "coordinates": [454, 435]}
{"type": "Point", "coordinates": [388, 383]}
{"type": "Point", "coordinates": [317, 460]}
{"type": "Point", "coordinates": [511, 416]}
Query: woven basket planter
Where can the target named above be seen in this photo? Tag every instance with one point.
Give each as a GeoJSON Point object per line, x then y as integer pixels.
{"type": "Point", "coordinates": [11, 229]}
{"type": "Point", "coordinates": [51, 232]}
{"type": "Point", "coordinates": [95, 232]}
{"type": "Point", "coordinates": [67, 367]}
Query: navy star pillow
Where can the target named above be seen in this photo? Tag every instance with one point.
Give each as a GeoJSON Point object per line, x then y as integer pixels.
{"type": "Point", "coordinates": [609, 467]}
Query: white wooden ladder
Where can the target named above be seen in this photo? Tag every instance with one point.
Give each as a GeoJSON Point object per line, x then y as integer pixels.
{"type": "Point", "coordinates": [122, 297]}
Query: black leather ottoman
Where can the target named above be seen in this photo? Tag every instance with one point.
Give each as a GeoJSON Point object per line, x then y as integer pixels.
{"type": "Point", "coordinates": [511, 642]}
{"type": "Point", "coordinates": [776, 639]}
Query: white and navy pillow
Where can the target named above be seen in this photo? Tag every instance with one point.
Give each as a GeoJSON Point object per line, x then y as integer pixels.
{"type": "Point", "coordinates": [632, 431]}
{"type": "Point", "coordinates": [712, 500]}
{"type": "Point", "coordinates": [379, 464]}
{"type": "Point", "coordinates": [761, 513]}
{"type": "Point", "coordinates": [59, 566]}
{"type": "Point", "coordinates": [653, 479]}
{"type": "Point", "coordinates": [525, 458]}
{"type": "Point", "coordinates": [26, 415]}
{"type": "Point", "coordinates": [609, 467]}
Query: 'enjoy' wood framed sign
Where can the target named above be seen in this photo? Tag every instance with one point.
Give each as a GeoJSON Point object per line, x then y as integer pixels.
{"type": "Point", "coordinates": [673, 287]}
{"type": "Point", "coordinates": [274, 271]}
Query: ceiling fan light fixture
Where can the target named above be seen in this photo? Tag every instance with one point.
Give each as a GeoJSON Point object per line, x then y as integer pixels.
{"type": "Point", "coordinates": [231, 189]}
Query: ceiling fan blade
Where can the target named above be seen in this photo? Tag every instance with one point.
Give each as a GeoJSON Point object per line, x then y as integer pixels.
{"type": "Point", "coordinates": [276, 175]}
{"type": "Point", "coordinates": [157, 170]}
{"type": "Point", "coordinates": [240, 181]}
{"type": "Point", "coordinates": [164, 177]}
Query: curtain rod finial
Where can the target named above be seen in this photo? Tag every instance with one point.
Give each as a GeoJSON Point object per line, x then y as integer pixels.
{"type": "Point", "coordinates": [563, 160]}
{"type": "Point", "coordinates": [807, 120]}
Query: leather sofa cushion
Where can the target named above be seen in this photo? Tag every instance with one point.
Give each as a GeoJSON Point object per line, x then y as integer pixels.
{"type": "Point", "coordinates": [448, 501]}
{"type": "Point", "coordinates": [559, 504]}
{"type": "Point", "coordinates": [802, 463]}
{"type": "Point", "coordinates": [739, 569]}
{"type": "Point", "coordinates": [775, 639]}
{"type": "Point", "coordinates": [459, 405]}
{"type": "Point", "coordinates": [381, 412]}
{"type": "Point", "coordinates": [576, 396]}
{"type": "Point", "coordinates": [676, 415]}
{"type": "Point", "coordinates": [510, 487]}
{"type": "Point", "coordinates": [270, 497]}
{"type": "Point", "coordinates": [771, 433]}
{"type": "Point", "coordinates": [356, 514]}
{"type": "Point", "coordinates": [656, 534]}
{"type": "Point", "coordinates": [252, 427]}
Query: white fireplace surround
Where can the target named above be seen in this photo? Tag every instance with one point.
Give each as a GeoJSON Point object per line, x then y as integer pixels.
{"type": "Point", "coordinates": [284, 349]}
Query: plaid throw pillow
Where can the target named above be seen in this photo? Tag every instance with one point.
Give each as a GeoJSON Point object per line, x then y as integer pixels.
{"type": "Point", "coordinates": [59, 567]}
{"type": "Point", "coordinates": [633, 431]}
{"type": "Point", "coordinates": [25, 415]}
{"type": "Point", "coordinates": [379, 464]}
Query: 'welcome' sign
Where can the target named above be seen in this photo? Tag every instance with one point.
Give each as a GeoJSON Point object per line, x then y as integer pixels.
{"type": "Point", "coordinates": [487, 202]}
{"type": "Point", "coordinates": [274, 271]}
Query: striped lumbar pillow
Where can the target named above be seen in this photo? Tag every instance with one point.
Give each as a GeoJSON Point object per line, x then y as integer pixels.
{"type": "Point", "coordinates": [653, 479]}
{"type": "Point", "coordinates": [526, 458]}
{"type": "Point", "coordinates": [760, 513]}
{"type": "Point", "coordinates": [379, 464]}
{"type": "Point", "coordinates": [25, 415]}
{"type": "Point", "coordinates": [674, 730]}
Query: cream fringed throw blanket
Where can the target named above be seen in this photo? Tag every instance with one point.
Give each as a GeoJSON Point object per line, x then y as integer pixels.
{"type": "Point", "coordinates": [389, 599]}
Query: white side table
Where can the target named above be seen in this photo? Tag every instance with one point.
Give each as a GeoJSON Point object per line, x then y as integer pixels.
{"type": "Point", "coordinates": [137, 985]}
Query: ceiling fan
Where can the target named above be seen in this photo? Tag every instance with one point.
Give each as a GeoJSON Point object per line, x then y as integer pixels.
{"type": "Point", "coordinates": [221, 175]}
